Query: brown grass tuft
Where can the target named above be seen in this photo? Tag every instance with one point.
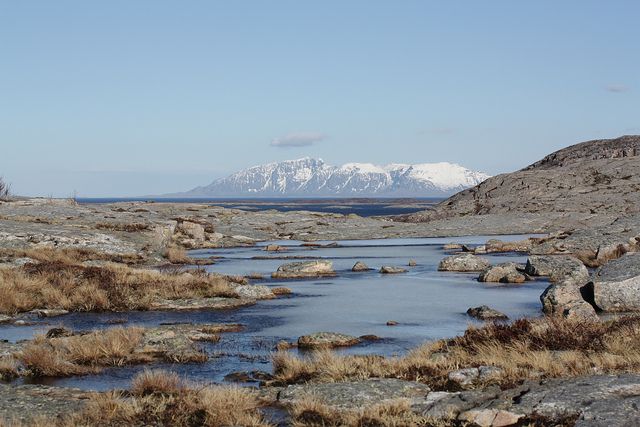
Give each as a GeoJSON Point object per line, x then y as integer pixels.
{"type": "Point", "coordinates": [546, 347]}
{"type": "Point", "coordinates": [63, 283]}
{"type": "Point", "coordinates": [177, 255]}
{"type": "Point", "coordinates": [8, 368]}
{"type": "Point", "coordinates": [82, 354]}
{"type": "Point", "coordinates": [161, 398]}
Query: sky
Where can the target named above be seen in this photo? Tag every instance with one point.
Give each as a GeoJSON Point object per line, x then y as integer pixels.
{"type": "Point", "coordinates": [129, 98]}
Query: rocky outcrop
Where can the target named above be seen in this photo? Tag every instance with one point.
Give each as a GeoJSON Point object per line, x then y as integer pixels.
{"type": "Point", "coordinates": [484, 312]}
{"type": "Point", "coordinates": [508, 272]}
{"type": "Point", "coordinates": [389, 269]}
{"type": "Point", "coordinates": [304, 269]}
{"type": "Point", "coordinates": [355, 394]}
{"type": "Point", "coordinates": [595, 177]}
{"type": "Point", "coordinates": [464, 262]}
{"type": "Point", "coordinates": [616, 285]}
{"type": "Point", "coordinates": [321, 340]}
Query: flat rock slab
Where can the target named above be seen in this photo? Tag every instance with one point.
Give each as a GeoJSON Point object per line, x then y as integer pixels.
{"type": "Point", "coordinates": [215, 303]}
{"type": "Point", "coordinates": [23, 403]}
{"type": "Point", "coordinates": [355, 394]}
{"type": "Point", "coordinates": [327, 340]}
{"type": "Point", "coordinates": [485, 312]}
{"type": "Point", "coordinates": [388, 269]}
{"type": "Point", "coordinates": [616, 285]}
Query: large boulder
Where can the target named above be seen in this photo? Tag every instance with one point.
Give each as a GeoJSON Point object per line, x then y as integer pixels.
{"type": "Point", "coordinates": [463, 262]}
{"type": "Point", "coordinates": [508, 272]}
{"type": "Point", "coordinates": [557, 267]}
{"type": "Point", "coordinates": [294, 270]}
{"type": "Point", "coordinates": [494, 245]}
{"type": "Point", "coordinates": [319, 340]}
{"type": "Point", "coordinates": [567, 295]}
{"type": "Point", "coordinates": [616, 285]}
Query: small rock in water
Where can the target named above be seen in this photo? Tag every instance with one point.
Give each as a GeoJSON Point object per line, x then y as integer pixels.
{"type": "Point", "coordinates": [485, 312]}
{"type": "Point", "coordinates": [275, 248]}
{"type": "Point", "coordinates": [387, 269]}
{"type": "Point", "coordinates": [327, 340]}
{"type": "Point", "coordinates": [508, 272]}
{"type": "Point", "coordinates": [452, 247]}
{"type": "Point", "coordinates": [392, 323]}
{"type": "Point", "coordinates": [304, 269]}
{"type": "Point", "coordinates": [412, 263]}
{"type": "Point", "coordinates": [370, 338]}
{"type": "Point", "coordinates": [464, 262]}
{"type": "Point", "coordinates": [360, 266]}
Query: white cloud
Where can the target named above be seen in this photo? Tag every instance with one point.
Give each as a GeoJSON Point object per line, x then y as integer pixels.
{"type": "Point", "coordinates": [617, 88]}
{"type": "Point", "coordinates": [298, 139]}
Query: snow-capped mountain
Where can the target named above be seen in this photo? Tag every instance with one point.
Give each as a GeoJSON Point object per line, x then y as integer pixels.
{"type": "Point", "coordinates": [313, 177]}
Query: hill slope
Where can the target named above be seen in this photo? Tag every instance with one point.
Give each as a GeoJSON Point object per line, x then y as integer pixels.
{"type": "Point", "coordinates": [595, 177]}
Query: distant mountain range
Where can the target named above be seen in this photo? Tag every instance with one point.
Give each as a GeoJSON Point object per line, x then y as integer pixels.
{"type": "Point", "coordinates": [309, 177]}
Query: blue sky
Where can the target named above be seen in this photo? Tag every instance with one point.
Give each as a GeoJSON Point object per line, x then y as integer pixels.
{"type": "Point", "coordinates": [143, 97]}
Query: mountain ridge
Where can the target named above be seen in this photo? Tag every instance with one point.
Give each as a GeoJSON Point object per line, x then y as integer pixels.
{"type": "Point", "coordinates": [309, 177]}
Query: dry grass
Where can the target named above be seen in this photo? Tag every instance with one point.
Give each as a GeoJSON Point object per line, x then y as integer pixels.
{"type": "Point", "coordinates": [311, 412]}
{"type": "Point", "coordinates": [5, 190]}
{"type": "Point", "coordinates": [82, 354]}
{"type": "Point", "coordinates": [63, 283]}
{"type": "Point", "coordinates": [176, 255]}
{"type": "Point", "coordinates": [70, 255]}
{"type": "Point", "coordinates": [8, 368]}
{"type": "Point", "coordinates": [161, 398]}
{"type": "Point", "coordinates": [545, 347]}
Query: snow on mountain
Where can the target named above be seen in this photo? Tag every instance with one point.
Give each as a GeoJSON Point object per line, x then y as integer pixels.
{"type": "Point", "coordinates": [313, 177]}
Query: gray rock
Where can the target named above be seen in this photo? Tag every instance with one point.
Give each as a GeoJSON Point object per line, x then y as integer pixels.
{"type": "Point", "coordinates": [387, 269]}
{"type": "Point", "coordinates": [508, 272]}
{"type": "Point", "coordinates": [616, 285]}
{"type": "Point", "coordinates": [254, 291]}
{"type": "Point", "coordinates": [355, 394]}
{"type": "Point", "coordinates": [360, 266]}
{"type": "Point", "coordinates": [465, 262]}
{"type": "Point", "coordinates": [558, 268]}
{"type": "Point", "coordinates": [304, 269]}
{"type": "Point", "coordinates": [485, 312]}
{"type": "Point", "coordinates": [327, 340]}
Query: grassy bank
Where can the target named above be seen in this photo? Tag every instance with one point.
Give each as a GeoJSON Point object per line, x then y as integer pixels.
{"type": "Point", "coordinates": [538, 348]}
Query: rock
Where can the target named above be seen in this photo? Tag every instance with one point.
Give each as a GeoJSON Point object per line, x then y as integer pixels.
{"type": "Point", "coordinates": [5, 319]}
{"type": "Point", "coordinates": [508, 272]}
{"type": "Point", "coordinates": [557, 268]}
{"type": "Point", "coordinates": [214, 303]}
{"type": "Point", "coordinates": [616, 285]}
{"type": "Point", "coordinates": [387, 269]}
{"type": "Point", "coordinates": [452, 247]}
{"type": "Point", "coordinates": [327, 340]}
{"type": "Point", "coordinates": [494, 245]}
{"type": "Point", "coordinates": [370, 337]}
{"type": "Point", "coordinates": [254, 291]}
{"type": "Point", "coordinates": [464, 377]}
{"type": "Point", "coordinates": [464, 262]}
{"type": "Point", "coordinates": [412, 263]}
{"type": "Point", "coordinates": [490, 417]}
{"type": "Point", "coordinates": [275, 248]}
{"type": "Point", "coordinates": [486, 313]}
{"type": "Point", "coordinates": [355, 394]}
{"type": "Point", "coordinates": [392, 323]}
{"type": "Point", "coordinates": [565, 299]}
{"type": "Point", "coordinates": [360, 266]}
{"type": "Point", "coordinates": [304, 269]}
{"type": "Point", "coordinates": [49, 312]}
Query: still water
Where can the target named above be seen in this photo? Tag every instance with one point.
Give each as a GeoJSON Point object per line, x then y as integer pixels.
{"type": "Point", "coordinates": [427, 305]}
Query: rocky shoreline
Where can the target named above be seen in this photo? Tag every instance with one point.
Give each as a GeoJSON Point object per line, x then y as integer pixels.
{"type": "Point", "coordinates": [576, 366]}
